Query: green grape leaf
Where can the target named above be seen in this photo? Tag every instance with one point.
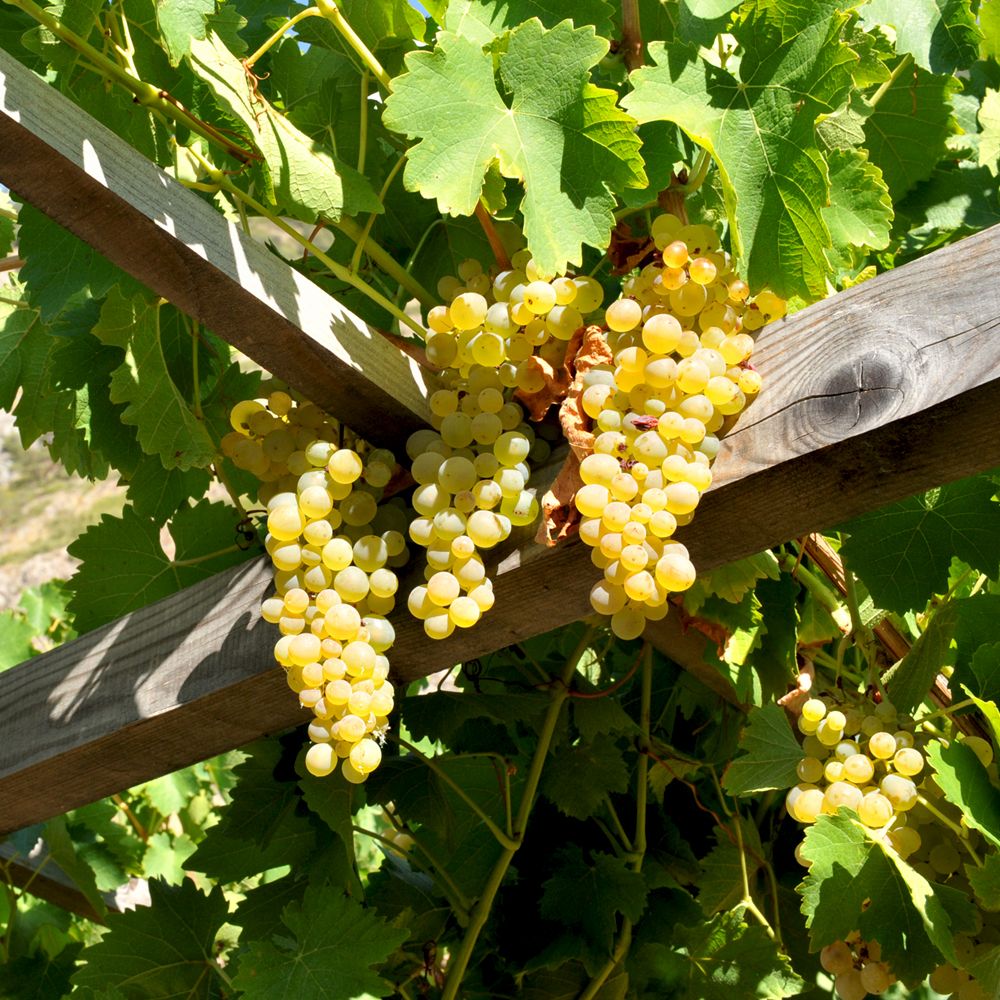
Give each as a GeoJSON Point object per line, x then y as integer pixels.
{"type": "Point", "coordinates": [305, 181]}
{"type": "Point", "coordinates": [562, 137]}
{"type": "Point", "coordinates": [902, 552]}
{"type": "Point", "coordinates": [335, 945]}
{"type": "Point", "coordinates": [180, 22]}
{"type": "Point", "coordinates": [733, 581]}
{"type": "Point", "coordinates": [910, 680]}
{"type": "Point", "coordinates": [760, 128]}
{"type": "Point", "coordinates": [57, 265]}
{"type": "Point", "coordinates": [482, 20]}
{"type": "Point", "coordinates": [906, 133]}
{"type": "Point", "coordinates": [720, 886]}
{"type": "Point", "coordinates": [156, 492]}
{"type": "Point", "coordinates": [985, 968]}
{"type": "Point", "coordinates": [986, 664]}
{"type": "Point", "coordinates": [709, 9]}
{"type": "Point", "coordinates": [41, 976]}
{"type": "Point", "coordinates": [606, 772]}
{"type": "Point", "coordinates": [965, 783]}
{"type": "Point", "coordinates": [726, 957]}
{"type": "Point", "coordinates": [15, 639]}
{"type": "Point", "coordinates": [989, 126]}
{"type": "Point", "coordinates": [385, 25]}
{"type": "Point", "coordinates": [913, 919]}
{"type": "Point", "coordinates": [107, 586]}
{"type": "Point", "coordinates": [162, 950]}
{"type": "Point", "coordinates": [171, 792]}
{"type": "Point", "coordinates": [588, 895]}
{"type": "Point", "coordinates": [64, 853]}
{"type": "Point", "coordinates": [259, 913]}
{"type": "Point", "coordinates": [164, 420]}
{"type": "Point", "coordinates": [976, 629]}
{"type": "Point", "coordinates": [989, 25]}
{"type": "Point", "coordinates": [6, 235]}
{"type": "Point", "coordinates": [165, 856]}
{"type": "Point", "coordinates": [568, 981]}
{"type": "Point", "coordinates": [775, 662]}
{"type": "Point", "coordinates": [985, 882]}
{"type": "Point", "coordinates": [941, 35]}
{"type": "Point", "coordinates": [860, 210]}
{"type": "Point", "coordinates": [262, 827]}
{"type": "Point", "coordinates": [592, 716]}
{"type": "Point", "coordinates": [771, 754]}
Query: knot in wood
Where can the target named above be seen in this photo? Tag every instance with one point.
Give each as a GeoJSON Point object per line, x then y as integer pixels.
{"type": "Point", "coordinates": [862, 392]}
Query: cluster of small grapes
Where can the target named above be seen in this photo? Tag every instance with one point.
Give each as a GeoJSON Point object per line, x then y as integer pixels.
{"type": "Point", "coordinates": [869, 759]}
{"type": "Point", "coordinates": [681, 369]}
{"type": "Point", "coordinates": [856, 967]}
{"type": "Point", "coordinates": [334, 550]}
{"type": "Point", "coordinates": [472, 470]}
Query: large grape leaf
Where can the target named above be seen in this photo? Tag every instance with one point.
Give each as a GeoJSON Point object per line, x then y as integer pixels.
{"type": "Point", "coordinates": [771, 754]}
{"type": "Point", "coordinates": [989, 127]}
{"type": "Point", "coordinates": [985, 882]}
{"type": "Point", "coordinates": [482, 20]}
{"type": "Point", "coordinates": [123, 566]}
{"type": "Point", "coordinates": [6, 234]}
{"type": "Point", "coordinates": [163, 418]}
{"type": "Point", "coordinates": [335, 945]}
{"type": "Point", "coordinates": [589, 895]}
{"type": "Point", "coordinates": [989, 25]}
{"type": "Point", "coordinates": [902, 552]}
{"type": "Point", "coordinates": [759, 125]}
{"type": "Point", "coordinates": [563, 137]}
{"type": "Point", "coordinates": [606, 772]}
{"type": "Point", "coordinates": [858, 883]}
{"type": "Point", "coordinates": [965, 783]}
{"type": "Point", "coordinates": [907, 131]}
{"type": "Point", "coordinates": [305, 180]}
{"type": "Point", "coordinates": [162, 950]}
{"type": "Point", "coordinates": [941, 35]}
{"type": "Point", "coordinates": [860, 210]}
{"type": "Point", "coordinates": [156, 492]}
{"type": "Point", "coordinates": [181, 21]}
{"type": "Point", "coordinates": [726, 957]}
{"type": "Point", "coordinates": [910, 680]}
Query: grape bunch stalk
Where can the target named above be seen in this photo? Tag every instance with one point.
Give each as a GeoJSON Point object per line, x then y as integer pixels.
{"type": "Point", "coordinates": [334, 551]}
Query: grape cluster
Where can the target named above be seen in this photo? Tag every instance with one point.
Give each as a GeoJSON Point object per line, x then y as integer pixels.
{"type": "Point", "coordinates": [681, 346]}
{"type": "Point", "coordinates": [856, 967]}
{"type": "Point", "coordinates": [334, 552]}
{"type": "Point", "coordinates": [472, 469]}
{"type": "Point", "coordinates": [869, 759]}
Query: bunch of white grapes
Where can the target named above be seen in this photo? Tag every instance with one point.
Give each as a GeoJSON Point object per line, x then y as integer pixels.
{"type": "Point", "coordinates": [472, 470]}
{"type": "Point", "coordinates": [334, 550]}
{"type": "Point", "coordinates": [856, 967]}
{"type": "Point", "coordinates": [868, 759]}
{"type": "Point", "coordinates": [681, 371]}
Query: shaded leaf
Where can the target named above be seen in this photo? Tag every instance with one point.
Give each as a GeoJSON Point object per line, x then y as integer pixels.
{"type": "Point", "coordinates": [965, 783]}
{"type": "Point", "coordinates": [578, 778]}
{"type": "Point", "coordinates": [771, 753]}
{"type": "Point", "coordinates": [941, 35]}
{"type": "Point", "coordinates": [910, 680]}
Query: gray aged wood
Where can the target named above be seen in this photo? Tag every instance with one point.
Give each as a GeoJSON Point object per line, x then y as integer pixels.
{"type": "Point", "coordinates": [870, 396]}
{"type": "Point", "coordinates": [58, 158]}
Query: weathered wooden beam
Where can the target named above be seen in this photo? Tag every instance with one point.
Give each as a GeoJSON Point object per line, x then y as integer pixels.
{"type": "Point", "coordinates": [869, 396]}
{"type": "Point", "coordinates": [61, 160]}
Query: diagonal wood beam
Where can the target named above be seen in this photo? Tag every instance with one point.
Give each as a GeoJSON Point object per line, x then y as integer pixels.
{"type": "Point", "coordinates": [83, 176]}
{"type": "Point", "coordinates": [870, 396]}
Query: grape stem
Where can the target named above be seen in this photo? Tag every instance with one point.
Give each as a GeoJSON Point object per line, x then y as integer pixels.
{"type": "Point", "coordinates": [747, 899]}
{"type": "Point", "coordinates": [195, 560]}
{"type": "Point", "coordinates": [697, 175]}
{"type": "Point", "coordinates": [631, 45]}
{"type": "Point", "coordinates": [496, 244]}
{"type": "Point", "coordinates": [276, 37]}
{"type": "Point", "coordinates": [638, 853]}
{"type": "Point", "coordinates": [480, 913]}
{"type": "Point", "coordinates": [145, 93]}
{"type": "Point", "coordinates": [954, 827]}
{"type": "Point", "coordinates": [901, 68]}
{"type": "Point", "coordinates": [502, 838]}
{"type": "Point", "coordinates": [11, 263]}
{"type": "Point", "coordinates": [330, 10]}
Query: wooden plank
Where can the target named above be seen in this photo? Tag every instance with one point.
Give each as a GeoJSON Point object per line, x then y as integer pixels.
{"type": "Point", "coordinates": [39, 875]}
{"type": "Point", "coordinates": [870, 396]}
{"type": "Point", "coordinates": [67, 164]}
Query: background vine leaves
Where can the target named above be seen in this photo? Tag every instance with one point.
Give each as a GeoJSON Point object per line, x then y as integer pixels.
{"type": "Point", "coordinates": [759, 124]}
{"type": "Point", "coordinates": [545, 124]}
{"type": "Point", "coordinates": [941, 35]}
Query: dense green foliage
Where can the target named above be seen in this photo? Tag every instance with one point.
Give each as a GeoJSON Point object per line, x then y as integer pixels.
{"type": "Point", "coordinates": [829, 140]}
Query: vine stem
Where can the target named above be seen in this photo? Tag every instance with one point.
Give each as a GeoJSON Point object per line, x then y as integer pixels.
{"type": "Point", "coordinates": [502, 838]}
{"type": "Point", "coordinates": [698, 173]}
{"type": "Point", "coordinates": [496, 245]}
{"type": "Point", "coordinates": [7, 213]}
{"type": "Point", "coordinates": [11, 263]}
{"type": "Point", "coordinates": [639, 840]}
{"type": "Point", "coordinates": [480, 913]}
{"type": "Point", "coordinates": [954, 827]}
{"type": "Point", "coordinates": [901, 68]}
{"type": "Point", "coordinates": [381, 256]}
{"type": "Point", "coordinates": [747, 899]}
{"type": "Point", "coordinates": [631, 35]}
{"type": "Point", "coordinates": [290, 23]}
{"type": "Point", "coordinates": [145, 93]}
{"type": "Point", "coordinates": [330, 10]}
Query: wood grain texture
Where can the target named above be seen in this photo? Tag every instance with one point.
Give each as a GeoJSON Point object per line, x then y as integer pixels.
{"type": "Point", "coordinates": [62, 161]}
{"type": "Point", "coordinates": [870, 396]}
